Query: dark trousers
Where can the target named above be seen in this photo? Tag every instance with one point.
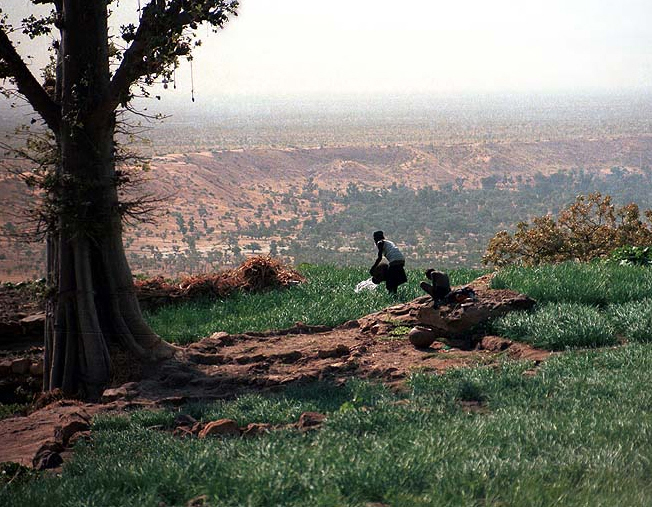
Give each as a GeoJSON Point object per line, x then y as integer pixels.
{"type": "Point", "coordinates": [395, 276]}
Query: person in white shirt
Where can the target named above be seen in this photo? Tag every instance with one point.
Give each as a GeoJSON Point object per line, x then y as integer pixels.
{"type": "Point", "coordinates": [396, 271]}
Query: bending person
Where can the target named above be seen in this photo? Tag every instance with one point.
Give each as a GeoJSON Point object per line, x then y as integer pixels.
{"type": "Point", "coordinates": [396, 270]}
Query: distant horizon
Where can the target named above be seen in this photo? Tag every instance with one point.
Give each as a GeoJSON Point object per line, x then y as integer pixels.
{"type": "Point", "coordinates": [294, 47]}
{"type": "Point", "coordinates": [174, 99]}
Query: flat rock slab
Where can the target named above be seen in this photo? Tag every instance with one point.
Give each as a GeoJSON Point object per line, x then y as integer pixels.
{"type": "Point", "coordinates": [457, 322]}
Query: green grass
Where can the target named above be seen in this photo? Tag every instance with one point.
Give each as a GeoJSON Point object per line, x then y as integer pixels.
{"type": "Point", "coordinates": [576, 434]}
{"type": "Point", "coordinates": [592, 284]}
{"type": "Point", "coordinates": [579, 305]}
{"type": "Point", "coordinates": [557, 326]}
{"type": "Point", "coordinates": [327, 298]}
{"type": "Point", "coordinates": [8, 410]}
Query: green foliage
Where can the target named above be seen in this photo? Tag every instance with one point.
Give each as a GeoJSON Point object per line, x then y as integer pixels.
{"type": "Point", "coordinates": [11, 409]}
{"type": "Point", "coordinates": [327, 298]}
{"type": "Point", "coordinates": [632, 256]}
{"type": "Point", "coordinates": [578, 430]}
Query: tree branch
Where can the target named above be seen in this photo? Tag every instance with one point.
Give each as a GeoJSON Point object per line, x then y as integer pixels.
{"type": "Point", "coordinates": [167, 19]}
{"type": "Point", "coordinates": [131, 67]}
{"type": "Point", "coordinates": [28, 86]}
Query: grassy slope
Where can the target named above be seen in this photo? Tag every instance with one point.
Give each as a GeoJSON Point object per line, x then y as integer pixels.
{"type": "Point", "coordinates": [575, 433]}
{"type": "Point", "coordinates": [580, 305]}
{"type": "Point", "coordinates": [327, 298]}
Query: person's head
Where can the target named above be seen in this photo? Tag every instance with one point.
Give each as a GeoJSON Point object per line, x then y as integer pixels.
{"type": "Point", "coordinates": [378, 236]}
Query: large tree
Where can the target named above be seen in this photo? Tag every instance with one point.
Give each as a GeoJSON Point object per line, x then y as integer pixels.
{"type": "Point", "coordinates": [92, 308]}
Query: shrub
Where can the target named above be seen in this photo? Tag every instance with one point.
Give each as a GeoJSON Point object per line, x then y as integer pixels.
{"type": "Point", "coordinates": [590, 228]}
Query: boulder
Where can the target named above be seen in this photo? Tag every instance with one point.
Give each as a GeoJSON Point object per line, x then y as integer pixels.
{"type": "Point", "coordinates": [20, 366]}
{"type": "Point", "coordinates": [222, 427]}
{"type": "Point", "coordinates": [310, 421]}
{"type": "Point", "coordinates": [114, 394]}
{"type": "Point", "coordinates": [422, 337]}
{"type": "Point", "coordinates": [71, 425]}
{"type": "Point", "coordinates": [456, 323]}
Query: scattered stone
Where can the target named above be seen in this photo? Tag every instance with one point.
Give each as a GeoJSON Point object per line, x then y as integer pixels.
{"type": "Point", "coordinates": [339, 351]}
{"type": "Point", "coordinates": [114, 394]}
{"type": "Point", "coordinates": [288, 357]}
{"type": "Point", "coordinates": [184, 420]}
{"type": "Point", "coordinates": [72, 424]}
{"type": "Point", "coordinates": [222, 427]}
{"type": "Point", "coordinates": [81, 436]}
{"type": "Point", "coordinates": [48, 456]}
{"type": "Point", "coordinates": [246, 359]}
{"type": "Point", "coordinates": [36, 369]}
{"type": "Point", "coordinates": [33, 324]}
{"type": "Point", "coordinates": [349, 324]}
{"type": "Point", "coordinates": [310, 421]}
{"type": "Point", "coordinates": [255, 429]}
{"type": "Point", "coordinates": [422, 337]}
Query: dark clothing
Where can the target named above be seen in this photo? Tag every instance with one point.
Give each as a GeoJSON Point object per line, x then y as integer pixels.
{"type": "Point", "coordinates": [395, 276]}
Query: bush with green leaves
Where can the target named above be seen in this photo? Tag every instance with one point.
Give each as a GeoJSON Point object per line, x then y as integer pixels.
{"type": "Point", "coordinates": [632, 256]}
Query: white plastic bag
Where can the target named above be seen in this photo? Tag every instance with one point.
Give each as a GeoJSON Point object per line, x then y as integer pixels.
{"type": "Point", "coordinates": [367, 284]}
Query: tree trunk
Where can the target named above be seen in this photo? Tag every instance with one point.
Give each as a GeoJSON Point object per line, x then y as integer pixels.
{"type": "Point", "coordinates": [94, 310]}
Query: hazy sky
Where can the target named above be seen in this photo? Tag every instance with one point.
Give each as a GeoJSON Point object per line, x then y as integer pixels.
{"type": "Point", "coordinates": [286, 47]}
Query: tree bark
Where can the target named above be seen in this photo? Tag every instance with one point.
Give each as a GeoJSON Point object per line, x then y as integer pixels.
{"type": "Point", "coordinates": [95, 308]}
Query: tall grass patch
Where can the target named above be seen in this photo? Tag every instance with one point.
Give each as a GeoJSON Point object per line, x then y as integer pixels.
{"type": "Point", "coordinates": [593, 284]}
{"type": "Point", "coordinates": [633, 320]}
{"type": "Point", "coordinates": [558, 326]}
{"type": "Point", "coordinates": [326, 298]}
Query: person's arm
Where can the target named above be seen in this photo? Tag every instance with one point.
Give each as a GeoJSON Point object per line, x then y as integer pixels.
{"type": "Point", "coordinates": [380, 245]}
